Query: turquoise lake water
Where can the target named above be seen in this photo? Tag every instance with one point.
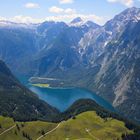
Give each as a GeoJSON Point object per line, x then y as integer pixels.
{"type": "Point", "coordinates": [62, 98]}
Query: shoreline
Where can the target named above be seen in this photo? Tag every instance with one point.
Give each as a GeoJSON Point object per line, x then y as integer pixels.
{"type": "Point", "coordinates": [49, 87]}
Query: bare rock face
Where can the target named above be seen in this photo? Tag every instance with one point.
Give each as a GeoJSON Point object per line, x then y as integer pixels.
{"type": "Point", "coordinates": [116, 50]}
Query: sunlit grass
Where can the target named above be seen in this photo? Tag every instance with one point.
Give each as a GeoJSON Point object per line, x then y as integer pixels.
{"type": "Point", "coordinates": [73, 129]}
{"type": "Point", "coordinates": [41, 85]}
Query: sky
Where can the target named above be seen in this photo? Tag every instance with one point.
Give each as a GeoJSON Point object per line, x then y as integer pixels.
{"type": "Point", "coordinates": [35, 11]}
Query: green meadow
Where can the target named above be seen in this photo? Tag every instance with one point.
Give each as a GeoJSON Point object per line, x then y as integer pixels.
{"type": "Point", "coordinates": [86, 126]}
{"type": "Point", "coordinates": [41, 85]}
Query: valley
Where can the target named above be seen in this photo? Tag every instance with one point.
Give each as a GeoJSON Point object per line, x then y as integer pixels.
{"type": "Point", "coordinates": [26, 117]}
{"type": "Point", "coordinates": [70, 79]}
{"type": "Point", "coordinates": [62, 98]}
{"type": "Point", "coordinates": [103, 59]}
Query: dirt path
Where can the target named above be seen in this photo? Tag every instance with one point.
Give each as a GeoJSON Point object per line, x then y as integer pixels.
{"type": "Point", "coordinates": [8, 130]}
{"type": "Point", "coordinates": [48, 132]}
{"type": "Point", "coordinates": [88, 131]}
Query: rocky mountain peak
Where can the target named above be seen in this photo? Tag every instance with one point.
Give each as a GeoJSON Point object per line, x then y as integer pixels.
{"type": "Point", "coordinates": [129, 14]}
{"type": "Point", "coordinates": [76, 20]}
{"type": "Point", "coordinates": [122, 19]}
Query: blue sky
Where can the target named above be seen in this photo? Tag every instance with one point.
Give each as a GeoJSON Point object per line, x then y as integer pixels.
{"type": "Point", "coordinates": [63, 10]}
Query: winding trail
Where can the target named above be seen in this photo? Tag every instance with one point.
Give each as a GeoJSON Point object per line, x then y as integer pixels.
{"type": "Point", "coordinates": [8, 129]}
{"type": "Point", "coordinates": [49, 132]}
{"type": "Point", "coordinates": [92, 135]}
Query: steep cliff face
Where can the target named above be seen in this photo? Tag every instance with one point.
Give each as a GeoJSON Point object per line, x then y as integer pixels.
{"type": "Point", "coordinates": [118, 75]}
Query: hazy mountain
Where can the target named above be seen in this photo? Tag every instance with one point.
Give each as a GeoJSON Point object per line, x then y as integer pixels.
{"type": "Point", "coordinates": [9, 24]}
{"type": "Point", "coordinates": [76, 20]}
{"type": "Point", "coordinates": [81, 23]}
{"type": "Point", "coordinates": [17, 46]}
{"type": "Point", "coordinates": [57, 48]}
{"type": "Point", "coordinates": [34, 44]}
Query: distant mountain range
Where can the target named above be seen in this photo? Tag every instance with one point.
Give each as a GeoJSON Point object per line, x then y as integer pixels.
{"type": "Point", "coordinates": [104, 59]}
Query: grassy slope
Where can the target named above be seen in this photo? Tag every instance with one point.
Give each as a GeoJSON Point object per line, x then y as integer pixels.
{"type": "Point", "coordinates": [20, 103]}
{"type": "Point", "coordinates": [73, 129]}
{"type": "Point", "coordinates": [5, 123]}
{"type": "Point", "coordinates": [41, 85]}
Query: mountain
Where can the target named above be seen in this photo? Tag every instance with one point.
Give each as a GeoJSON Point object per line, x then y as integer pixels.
{"type": "Point", "coordinates": [114, 57]}
{"type": "Point", "coordinates": [57, 48]}
{"type": "Point", "coordinates": [81, 23]}
{"type": "Point", "coordinates": [94, 42]}
{"type": "Point", "coordinates": [76, 20]}
{"type": "Point", "coordinates": [18, 45]}
{"type": "Point", "coordinates": [107, 58]}
{"type": "Point", "coordinates": [33, 46]}
{"type": "Point", "coordinates": [9, 24]}
{"type": "Point", "coordinates": [18, 102]}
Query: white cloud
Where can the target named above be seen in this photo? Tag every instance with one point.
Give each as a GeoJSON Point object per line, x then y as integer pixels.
{"type": "Point", "coordinates": [31, 5]}
{"type": "Point", "coordinates": [24, 19]}
{"type": "Point", "coordinates": [127, 3]}
{"type": "Point", "coordinates": [58, 10]}
{"type": "Point", "coordinates": [65, 1]}
{"type": "Point", "coordinates": [69, 11]}
{"type": "Point", "coordinates": [65, 17]}
{"type": "Point", "coordinates": [55, 9]}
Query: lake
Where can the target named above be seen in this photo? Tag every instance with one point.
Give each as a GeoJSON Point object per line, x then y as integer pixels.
{"type": "Point", "coordinates": [62, 98]}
